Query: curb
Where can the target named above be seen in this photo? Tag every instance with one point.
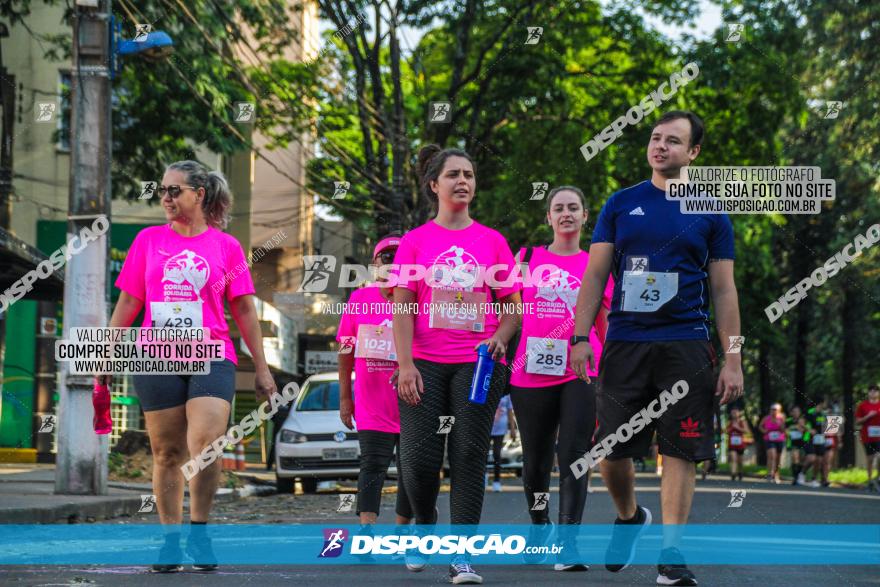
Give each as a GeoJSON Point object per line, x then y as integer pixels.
{"type": "Point", "coordinates": [73, 512]}
{"type": "Point", "coordinates": [110, 507]}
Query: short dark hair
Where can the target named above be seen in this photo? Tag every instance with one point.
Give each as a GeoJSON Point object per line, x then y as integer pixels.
{"type": "Point", "coordinates": [874, 387]}
{"type": "Point", "coordinates": [697, 126]}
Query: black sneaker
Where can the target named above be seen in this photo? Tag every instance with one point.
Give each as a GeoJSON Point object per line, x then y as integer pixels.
{"type": "Point", "coordinates": [462, 573]}
{"type": "Point", "coordinates": [198, 547]}
{"type": "Point", "coordinates": [623, 539]}
{"type": "Point", "coordinates": [569, 559]}
{"type": "Point", "coordinates": [672, 570]}
{"type": "Point", "coordinates": [170, 556]}
{"type": "Point", "coordinates": [538, 535]}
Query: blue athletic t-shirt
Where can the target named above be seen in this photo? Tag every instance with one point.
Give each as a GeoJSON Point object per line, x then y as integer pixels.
{"type": "Point", "coordinates": [661, 257]}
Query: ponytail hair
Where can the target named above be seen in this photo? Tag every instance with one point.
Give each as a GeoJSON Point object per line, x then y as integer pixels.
{"type": "Point", "coordinates": [218, 199]}
{"type": "Point", "coordinates": [431, 160]}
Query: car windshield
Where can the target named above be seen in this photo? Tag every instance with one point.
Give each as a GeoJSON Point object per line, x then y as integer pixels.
{"type": "Point", "coordinates": [320, 396]}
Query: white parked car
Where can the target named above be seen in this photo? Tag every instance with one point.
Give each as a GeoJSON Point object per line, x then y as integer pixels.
{"type": "Point", "coordinates": [313, 444]}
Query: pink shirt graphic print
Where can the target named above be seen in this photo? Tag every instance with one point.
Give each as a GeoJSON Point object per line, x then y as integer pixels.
{"type": "Point", "coordinates": [452, 292]}
{"type": "Point", "coordinates": [549, 300]}
{"type": "Point", "coordinates": [175, 277]}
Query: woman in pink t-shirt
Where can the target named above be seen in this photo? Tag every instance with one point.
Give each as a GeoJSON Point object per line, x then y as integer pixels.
{"type": "Point", "coordinates": [772, 426]}
{"type": "Point", "coordinates": [449, 262]}
{"type": "Point", "coordinates": [555, 409]}
{"type": "Point", "coordinates": [180, 274]}
{"type": "Point", "coordinates": [366, 346]}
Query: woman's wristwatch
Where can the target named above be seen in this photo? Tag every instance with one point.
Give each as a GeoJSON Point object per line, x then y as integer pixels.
{"type": "Point", "coordinates": [576, 339]}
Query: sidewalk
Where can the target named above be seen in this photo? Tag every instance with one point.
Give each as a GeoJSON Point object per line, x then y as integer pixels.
{"type": "Point", "coordinates": [27, 497]}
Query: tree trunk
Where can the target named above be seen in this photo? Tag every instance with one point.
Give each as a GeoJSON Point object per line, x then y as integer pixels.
{"type": "Point", "coordinates": [764, 379]}
{"type": "Point", "coordinates": [850, 316]}
{"type": "Point", "coordinates": [398, 137]}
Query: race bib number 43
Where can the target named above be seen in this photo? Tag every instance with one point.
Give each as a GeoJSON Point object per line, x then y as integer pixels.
{"type": "Point", "coordinates": [176, 314]}
{"type": "Point", "coordinates": [647, 291]}
{"type": "Point", "coordinates": [546, 356]}
{"type": "Point", "coordinates": [375, 342]}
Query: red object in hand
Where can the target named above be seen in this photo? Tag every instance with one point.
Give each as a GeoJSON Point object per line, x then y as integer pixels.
{"type": "Point", "coordinates": [102, 422]}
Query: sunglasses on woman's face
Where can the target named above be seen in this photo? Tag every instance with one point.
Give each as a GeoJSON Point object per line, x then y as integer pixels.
{"type": "Point", "coordinates": [172, 190]}
{"type": "Point", "coordinates": [386, 257]}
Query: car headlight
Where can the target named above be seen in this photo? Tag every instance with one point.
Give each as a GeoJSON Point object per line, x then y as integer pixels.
{"type": "Point", "coordinates": [293, 437]}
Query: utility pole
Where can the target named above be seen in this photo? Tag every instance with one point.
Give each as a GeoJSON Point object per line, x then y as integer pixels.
{"type": "Point", "coordinates": [81, 464]}
{"type": "Point", "coordinates": [7, 102]}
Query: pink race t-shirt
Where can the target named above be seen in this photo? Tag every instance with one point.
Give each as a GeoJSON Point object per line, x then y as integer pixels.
{"type": "Point", "coordinates": [775, 428]}
{"type": "Point", "coordinates": [184, 280]}
{"type": "Point", "coordinates": [549, 300]}
{"type": "Point", "coordinates": [456, 266]}
{"type": "Point", "coordinates": [375, 400]}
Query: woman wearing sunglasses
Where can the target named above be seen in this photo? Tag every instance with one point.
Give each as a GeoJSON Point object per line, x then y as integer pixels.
{"type": "Point", "coordinates": [180, 273]}
{"type": "Point", "coordinates": [366, 346]}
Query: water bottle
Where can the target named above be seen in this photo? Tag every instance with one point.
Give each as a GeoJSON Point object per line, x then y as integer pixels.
{"type": "Point", "coordinates": [482, 375]}
{"type": "Point", "coordinates": [102, 422]}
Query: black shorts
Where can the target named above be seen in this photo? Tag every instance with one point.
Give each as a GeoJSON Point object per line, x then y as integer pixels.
{"type": "Point", "coordinates": [632, 376]}
{"type": "Point", "coordinates": [814, 449]}
{"type": "Point", "coordinates": [159, 392]}
{"type": "Point", "coordinates": [872, 448]}
{"type": "Point", "coordinates": [778, 445]}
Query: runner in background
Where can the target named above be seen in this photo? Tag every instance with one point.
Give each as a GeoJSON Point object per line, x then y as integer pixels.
{"type": "Point", "coordinates": [666, 265]}
{"type": "Point", "coordinates": [817, 421]}
{"type": "Point", "coordinates": [179, 274]}
{"type": "Point", "coordinates": [795, 428]}
{"type": "Point", "coordinates": [447, 262]}
{"type": "Point", "coordinates": [550, 401]}
{"type": "Point", "coordinates": [736, 442]}
{"type": "Point", "coordinates": [832, 439]}
{"type": "Point", "coordinates": [772, 426]}
{"type": "Point", "coordinates": [503, 422]}
{"type": "Point", "coordinates": [367, 347]}
{"type": "Point", "coordinates": [868, 417]}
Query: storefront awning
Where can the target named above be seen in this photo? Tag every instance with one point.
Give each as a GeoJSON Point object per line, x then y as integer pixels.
{"type": "Point", "coordinates": [18, 258]}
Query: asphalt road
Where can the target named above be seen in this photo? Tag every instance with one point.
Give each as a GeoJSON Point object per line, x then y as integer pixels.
{"type": "Point", "coordinates": [764, 504]}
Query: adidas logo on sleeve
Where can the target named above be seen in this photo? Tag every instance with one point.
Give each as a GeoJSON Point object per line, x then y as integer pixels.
{"type": "Point", "coordinates": [637, 212]}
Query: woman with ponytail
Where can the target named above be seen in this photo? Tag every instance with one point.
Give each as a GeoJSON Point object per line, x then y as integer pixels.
{"type": "Point", "coordinates": [461, 263]}
{"type": "Point", "coordinates": [180, 274]}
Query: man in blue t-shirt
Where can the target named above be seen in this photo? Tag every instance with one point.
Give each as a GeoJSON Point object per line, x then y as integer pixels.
{"type": "Point", "coordinates": [666, 265]}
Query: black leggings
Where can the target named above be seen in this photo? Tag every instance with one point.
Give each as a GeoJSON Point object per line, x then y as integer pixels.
{"type": "Point", "coordinates": [421, 447]}
{"type": "Point", "coordinates": [377, 450]}
{"type": "Point", "coordinates": [540, 411]}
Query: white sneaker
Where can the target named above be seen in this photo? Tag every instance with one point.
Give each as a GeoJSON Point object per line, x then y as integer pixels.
{"type": "Point", "coordinates": [496, 486]}
{"type": "Point", "coordinates": [462, 573]}
{"type": "Point", "coordinates": [814, 483]}
{"type": "Point", "coordinates": [415, 562]}
{"type": "Point", "coordinates": [801, 479]}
